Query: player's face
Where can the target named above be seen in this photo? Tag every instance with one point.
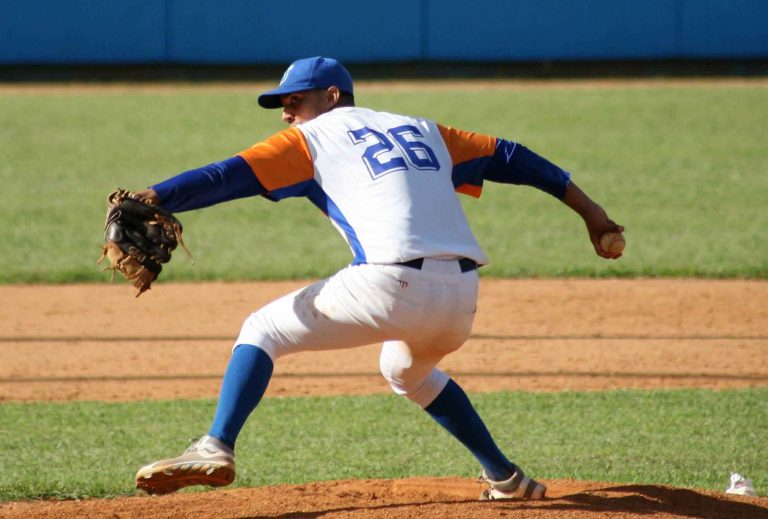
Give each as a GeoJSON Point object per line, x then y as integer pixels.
{"type": "Point", "coordinates": [300, 107]}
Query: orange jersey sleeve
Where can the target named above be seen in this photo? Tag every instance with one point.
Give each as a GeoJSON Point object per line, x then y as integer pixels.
{"type": "Point", "coordinates": [282, 160]}
{"type": "Point", "coordinates": [470, 152]}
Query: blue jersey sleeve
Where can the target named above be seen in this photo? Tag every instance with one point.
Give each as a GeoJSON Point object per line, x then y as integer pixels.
{"type": "Point", "coordinates": [212, 184]}
{"type": "Point", "coordinates": [513, 163]}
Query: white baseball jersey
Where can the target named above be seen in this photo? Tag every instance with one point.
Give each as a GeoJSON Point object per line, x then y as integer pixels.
{"type": "Point", "coordinates": [386, 181]}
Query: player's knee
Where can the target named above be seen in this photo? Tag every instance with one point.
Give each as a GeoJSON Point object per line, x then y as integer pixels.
{"type": "Point", "coordinates": [423, 391]}
{"type": "Point", "coordinates": [257, 332]}
{"type": "Point", "coordinates": [420, 386]}
{"type": "Point", "coordinates": [268, 351]}
{"type": "Point", "coordinates": [394, 362]}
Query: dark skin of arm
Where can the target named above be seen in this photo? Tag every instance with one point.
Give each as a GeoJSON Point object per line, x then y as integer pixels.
{"type": "Point", "coordinates": [594, 216]}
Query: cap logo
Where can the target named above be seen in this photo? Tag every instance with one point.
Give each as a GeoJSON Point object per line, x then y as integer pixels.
{"type": "Point", "coordinates": [286, 74]}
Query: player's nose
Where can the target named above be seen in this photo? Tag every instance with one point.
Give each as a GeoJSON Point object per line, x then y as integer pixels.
{"type": "Point", "coordinates": [288, 118]}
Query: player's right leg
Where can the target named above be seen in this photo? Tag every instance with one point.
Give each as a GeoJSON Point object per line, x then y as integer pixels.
{"type": "Point", "coordinates": [453, 410]}
{"type": "Point", "coordinates": [416, 378]}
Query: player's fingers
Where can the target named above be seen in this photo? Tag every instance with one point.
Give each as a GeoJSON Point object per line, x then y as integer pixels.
{"type": "Point", "coordinates": [612, 226]}
{"type": "Point", "coordinates": [594, 237]}
{"type": "Point", "coordinates": [599, 249]}
{"type": "Point", "coordinates": [596, 244]}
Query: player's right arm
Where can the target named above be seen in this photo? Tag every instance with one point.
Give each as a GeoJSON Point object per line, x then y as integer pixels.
{"type": "Point", "coordinates": [594, 216]}
{"type": "Point", "coordinates": [480, 157]}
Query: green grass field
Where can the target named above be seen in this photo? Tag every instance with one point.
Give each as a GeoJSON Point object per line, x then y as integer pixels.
{"type": "Point", "coordinates": [683, 168]}
{"type": "Point", "coordinates": [686, 438]}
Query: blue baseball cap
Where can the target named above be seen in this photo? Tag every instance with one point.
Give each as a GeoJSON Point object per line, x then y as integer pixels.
{"type": "Point", "coordinates": [308, 74]}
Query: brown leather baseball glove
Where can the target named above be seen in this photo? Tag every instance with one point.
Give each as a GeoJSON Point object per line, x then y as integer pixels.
{"type": "Point", "coordinates": [140, 236]}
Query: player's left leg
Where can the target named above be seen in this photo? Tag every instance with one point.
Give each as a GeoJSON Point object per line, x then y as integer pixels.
{"type": "Point", "coordinates": [340, 312]}
{"type": "Point", "coordinates": [211, 460]}
{"type": "Point", "coordinates": [245, 381]}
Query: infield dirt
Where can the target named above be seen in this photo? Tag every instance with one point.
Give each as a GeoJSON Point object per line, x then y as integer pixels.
{"type": "Point", "coordinates": [70, 343]}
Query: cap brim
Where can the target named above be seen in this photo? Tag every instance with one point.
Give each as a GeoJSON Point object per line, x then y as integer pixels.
{"type": "Point", "coordinates": [271, 98]}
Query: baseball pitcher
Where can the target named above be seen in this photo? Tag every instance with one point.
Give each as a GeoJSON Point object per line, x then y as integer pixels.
{"type": "Point", "coordinates": [388, 183]}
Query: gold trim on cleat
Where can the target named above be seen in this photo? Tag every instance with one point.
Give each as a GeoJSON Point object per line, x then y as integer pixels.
{"type": "Point", "coordinates": [164, 480]}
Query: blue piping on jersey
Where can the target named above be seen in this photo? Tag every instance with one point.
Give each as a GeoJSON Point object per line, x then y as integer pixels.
{"type": "Point", "coordinates": [314, 192]}
{"type": "Point", "coordinates": [321, 199]}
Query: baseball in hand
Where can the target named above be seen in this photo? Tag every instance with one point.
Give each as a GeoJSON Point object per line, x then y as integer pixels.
{"type": "Point", "coordinates": [612, 242]}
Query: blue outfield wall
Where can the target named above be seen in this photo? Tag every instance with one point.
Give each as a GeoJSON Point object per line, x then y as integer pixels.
{"type": "Point", "coordinates": [244, 32]}
{"type": "Point", "coordinates": [82, 31]}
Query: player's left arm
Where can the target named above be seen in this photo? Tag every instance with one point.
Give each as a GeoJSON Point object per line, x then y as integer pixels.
{"type": "Point", "coordinates": [267, 168]}
{"type": "Point", "coordinates": [206, 186]}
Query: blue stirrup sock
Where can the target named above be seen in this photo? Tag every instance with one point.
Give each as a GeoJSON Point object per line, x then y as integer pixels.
{"type": "Point", "coordinates": [453, 410]}
{"type": "Point", "coordinates": [245, 382]}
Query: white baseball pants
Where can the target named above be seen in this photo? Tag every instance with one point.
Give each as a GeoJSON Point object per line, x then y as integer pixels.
{"type": "Point", "coordinates": [419, 315]}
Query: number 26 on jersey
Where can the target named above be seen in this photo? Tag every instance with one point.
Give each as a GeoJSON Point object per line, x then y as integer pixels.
{"type": "Point", "coordinates": [399, 149]}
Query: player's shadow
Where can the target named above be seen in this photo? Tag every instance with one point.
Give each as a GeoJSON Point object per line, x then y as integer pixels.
{"type": "Point", "coordinates": [638, 500]}
{"type": "Point", "coordinates": [651, 499]}
{"type": "Point", "coordinates": [391, 510]}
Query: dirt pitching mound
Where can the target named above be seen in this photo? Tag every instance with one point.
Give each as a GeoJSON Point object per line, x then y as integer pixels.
{"type": "Point", "coordinates": [422, 498]}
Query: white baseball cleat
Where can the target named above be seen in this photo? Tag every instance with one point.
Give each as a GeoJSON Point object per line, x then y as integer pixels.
{"type": "Point", "coordinates": [207, 461]}
{"type": "Point", "coordinates": [519, 486]}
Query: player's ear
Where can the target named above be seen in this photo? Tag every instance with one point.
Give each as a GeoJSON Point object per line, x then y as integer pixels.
{"type": "Point", "coordinates": [332, 95]}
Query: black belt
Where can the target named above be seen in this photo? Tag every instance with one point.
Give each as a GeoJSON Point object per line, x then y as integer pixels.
{"type": "Point", "coordinates": [465, 264]}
